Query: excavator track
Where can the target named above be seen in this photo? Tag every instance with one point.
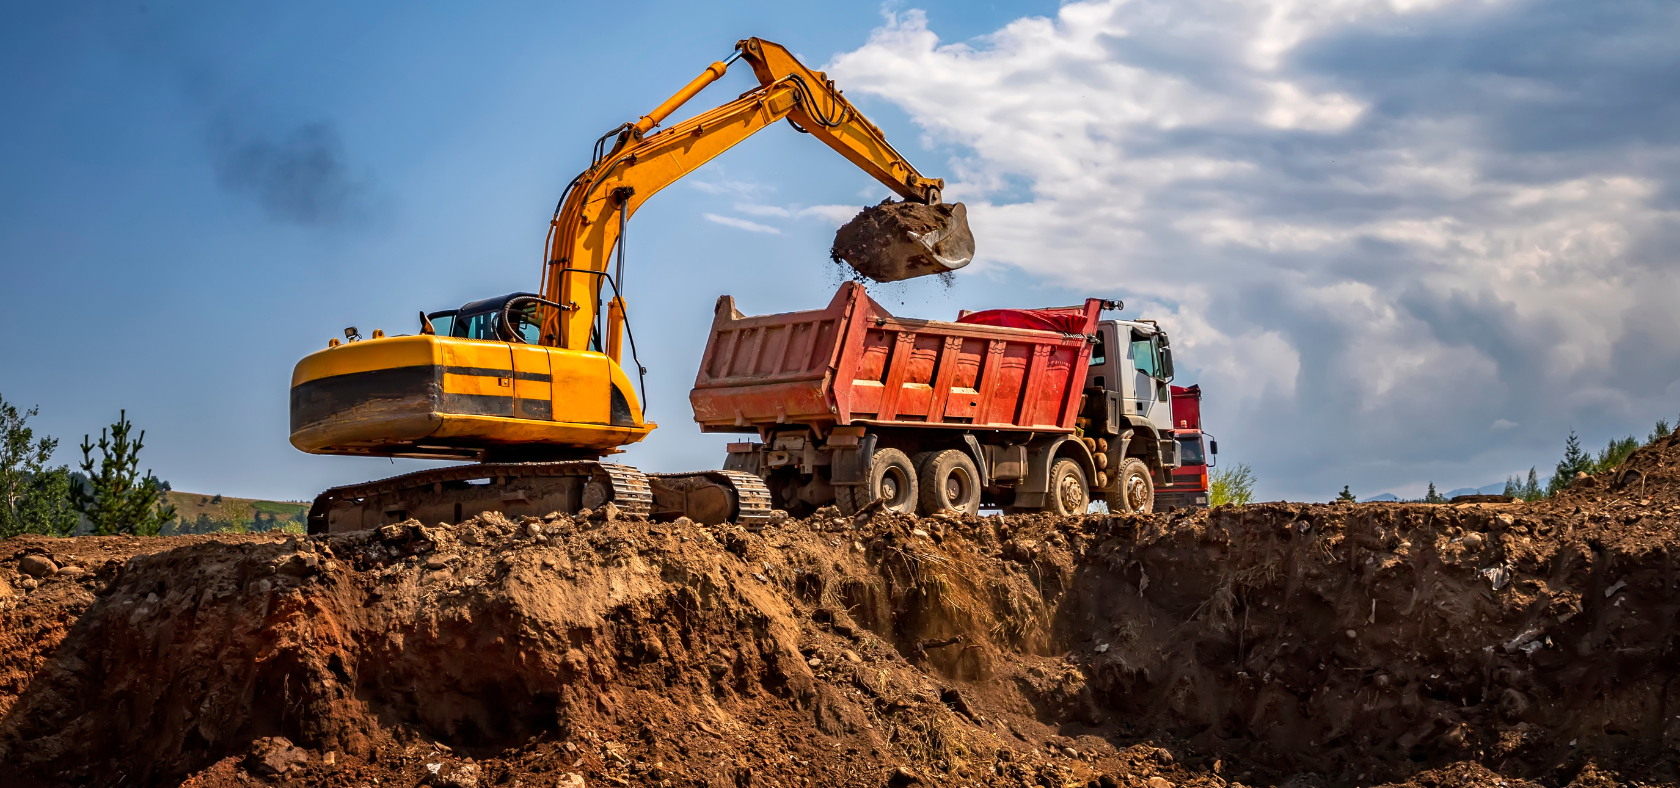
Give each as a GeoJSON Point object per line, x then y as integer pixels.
{"type": "Point", "coordinates": [747, 501]}
{"type": "Point", "coordinates": [458, 493]}
{"type": "Point", "coordinates": [461, 492]}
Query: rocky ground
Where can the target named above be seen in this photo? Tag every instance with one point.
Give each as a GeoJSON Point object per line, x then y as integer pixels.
{"type": "Point", "coordinates": [1277, 644]}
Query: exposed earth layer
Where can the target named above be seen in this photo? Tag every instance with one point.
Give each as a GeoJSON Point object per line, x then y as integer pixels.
{"type": "Point", "coordinates": [1274, 644]}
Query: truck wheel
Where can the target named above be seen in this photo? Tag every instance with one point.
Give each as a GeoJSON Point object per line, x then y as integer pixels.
{"type": "Point", "coordinates": [891, 480]}
{"type": "Point", "coordinates": [1068, 494]}
{"type": "Point", "coordinates": [949, 481]}
{"type": "Point", "coordinates": [1135, 492]}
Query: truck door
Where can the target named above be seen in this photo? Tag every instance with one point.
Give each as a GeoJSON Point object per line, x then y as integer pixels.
{"type": "Point", "coordinates": [1141, 398]}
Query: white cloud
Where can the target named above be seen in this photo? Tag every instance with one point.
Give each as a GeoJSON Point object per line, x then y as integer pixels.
{"type": "Point", "coordinates": [1399, 272]}
{"type": "Point", "coordinates": [741, 224]}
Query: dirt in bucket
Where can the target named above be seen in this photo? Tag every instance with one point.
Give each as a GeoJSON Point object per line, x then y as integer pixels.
{"type": "Point", "coordinates": [894, 241]}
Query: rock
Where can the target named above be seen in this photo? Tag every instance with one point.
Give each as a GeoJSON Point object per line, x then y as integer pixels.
{"type": "Point", "coordinates": [1163, 757]}
{"type": "Point", "coordinates": [37, 566]}
{"type": "Point", "coordinates": [609, 511]}
{"type": "Point", "coordinates": [815, 662]}
{"type": "Point", "coordinates": [71, 572]}
{"type": "Point", "coordinates": [1506, 520]}
{"type": "Point", "coordinates": [1159, 782]}
{"type": "Point", "coordinates": [851, 656]}
{"type": "Point", "coordinates": [1472, 540]}
{"type": "Point", "coordinates": [569, 780]}
{"type": "Point", "coordinates": [778, 515]}
{"type": "Point", "coordinates": [453, 775]}
{"type": "Point", "coordinates": [532, 530]}
{"type": "Point", "coordinates": [584, 514]}
{"type": "Point", "coordinates": [274, 755]}
{"type": "Point", "coordinates": [28, 584]}
{"type": "Point", "coordinates": [469, 535]}
{"type": "Point", "coordinates": [1070, 752]}
{"type": "Point", "coordinates": [918, 532]}
{"type": "Point", "coordinates": [437, 561]}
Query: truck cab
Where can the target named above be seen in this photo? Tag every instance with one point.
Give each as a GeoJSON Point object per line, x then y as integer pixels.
{"type": "Point", "coordinates": [1128, 409]}
{"type": "Point", "coordinates": [1188, 486]}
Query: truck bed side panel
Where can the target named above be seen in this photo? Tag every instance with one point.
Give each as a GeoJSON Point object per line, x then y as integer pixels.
{"type": "Point", "coordinates": [853, 362]}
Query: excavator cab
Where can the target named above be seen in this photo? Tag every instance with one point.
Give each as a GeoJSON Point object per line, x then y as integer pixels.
{"type": "Point", "coordinates": [485, 320]}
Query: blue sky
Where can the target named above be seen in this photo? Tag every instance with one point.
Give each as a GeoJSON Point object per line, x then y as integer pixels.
{"type": "Point", "coordinates": [1396, 241]}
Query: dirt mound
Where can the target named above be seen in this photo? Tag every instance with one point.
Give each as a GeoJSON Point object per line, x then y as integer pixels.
{"type": "Point", "coordinates": [1334, 644]}
{"type": "Point", "coordinates": [901, 240]}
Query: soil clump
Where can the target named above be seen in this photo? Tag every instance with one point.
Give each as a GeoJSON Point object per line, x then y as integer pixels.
{"type": "Point", "coordinates": [901, 240]}
{"type": "Point", "coordinates": [1272, 644]}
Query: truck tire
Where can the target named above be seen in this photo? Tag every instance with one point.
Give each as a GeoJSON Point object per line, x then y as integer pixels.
{"type": "Point", "coordinates": [1069, 493]}
{"type": "Point", "coordinates": [949, 481]}
{"type": "Point", "coordinates": [891, 480]}
{"type": "Point", "coordinates": [1134, 493]}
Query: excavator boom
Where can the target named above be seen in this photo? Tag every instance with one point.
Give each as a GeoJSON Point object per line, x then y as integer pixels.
{"type": "Point", "coordinates": [586, 228]}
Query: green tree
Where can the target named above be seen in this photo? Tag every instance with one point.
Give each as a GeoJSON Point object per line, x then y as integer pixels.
{"type": "Point", "coordinates": [1574, 461]}
{"type": "Point", "coordinates": [1662, 431]}
{"type": "Point", "coordinates": [1345, 494]}
{"type": "Point", "coordinates": [1614, 454]}
{"type": "Point", "coordinates": [1432, 496]}
{"type": "Point", "coordinates": [1232, 484]}
{"type": "Point", "coordinates": [1531, 490]}
{"type": "Point", "coordinates": [36, 497]}
{"type": "Point", "coordinates": [119, 499]}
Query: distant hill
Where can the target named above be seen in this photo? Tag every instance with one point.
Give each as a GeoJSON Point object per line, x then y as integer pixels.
{"type": "Point", "coordinates": [1383, 497]}
{"type": "Point", "coordinates": [197, 513]}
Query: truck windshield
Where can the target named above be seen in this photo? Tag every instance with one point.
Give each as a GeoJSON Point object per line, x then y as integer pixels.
{"type": "Point", "coordinates": [1190, 450]}
{"type": "Point", "coordinates": [477, 326]}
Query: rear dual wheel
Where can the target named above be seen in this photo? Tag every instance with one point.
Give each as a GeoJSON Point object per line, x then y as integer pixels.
{"type": "Point", "coordinates": [948, 481]}
{"type": "Point", "coordinates": [891, 480]}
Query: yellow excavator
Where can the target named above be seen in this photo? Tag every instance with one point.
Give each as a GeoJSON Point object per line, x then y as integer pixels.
{"type": "Point", "coordinates": [530, 387]}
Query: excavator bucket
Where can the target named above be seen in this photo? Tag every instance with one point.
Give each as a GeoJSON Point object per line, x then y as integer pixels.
{"type": "Point", "coordinates": [903, 240]}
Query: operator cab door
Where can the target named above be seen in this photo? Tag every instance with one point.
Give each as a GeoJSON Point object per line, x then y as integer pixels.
{"type": "Point", "coordinates": [532, 384]}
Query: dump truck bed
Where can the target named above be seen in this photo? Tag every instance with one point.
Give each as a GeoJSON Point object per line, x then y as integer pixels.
{"type": "Point", "coordinates": [855, 363]}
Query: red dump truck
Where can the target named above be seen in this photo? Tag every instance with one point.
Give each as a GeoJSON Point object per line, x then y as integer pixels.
{"type": "Point", "coordinates": [1041, 409]}
{"type": "Point", "coordinates": [1188, 486]}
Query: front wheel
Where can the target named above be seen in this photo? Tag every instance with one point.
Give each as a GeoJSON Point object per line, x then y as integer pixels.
{"type": "Point", "coordinates": [1069, 494]}
{"type": "Point", "coordinates": [1134, 493]}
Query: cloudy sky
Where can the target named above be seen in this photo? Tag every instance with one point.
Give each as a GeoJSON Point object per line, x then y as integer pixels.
{"type": "Point", "coordinates": [1395, 242]}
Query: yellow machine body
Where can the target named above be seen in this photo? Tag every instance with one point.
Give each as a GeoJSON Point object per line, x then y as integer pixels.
{"type": "Point", "coordinates": [454, 398]}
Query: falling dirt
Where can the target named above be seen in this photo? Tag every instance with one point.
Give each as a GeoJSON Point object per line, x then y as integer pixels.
{"type": "Point", "coordinates": [891, 241]}
{"type": "Point", "coordinates": [1274, 644]}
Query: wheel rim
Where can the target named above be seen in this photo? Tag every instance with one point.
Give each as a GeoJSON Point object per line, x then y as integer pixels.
{"type": "Point", "coordinates": [893, 487]}
{"type": "Point", "coordinates": [956, 488]}
{"type": "Point", "coordinates": [1137, 492]}
{"type": "Point", "coordinates": [1070, 494]}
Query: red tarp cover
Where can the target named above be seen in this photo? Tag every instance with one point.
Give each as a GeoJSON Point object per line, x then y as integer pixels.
{"type": "Point", "coordinates": [1040, 319]}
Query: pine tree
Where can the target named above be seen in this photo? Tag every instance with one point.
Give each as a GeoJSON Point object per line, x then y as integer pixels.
{"type": "Point", "coordinates": [1574, 461]}
{"type": "Point", "coordinates": [1432, 496]}
{"type": "Point", "coordinates": [1531, 490]}
{"type": "Point", "coordinates": [1661, 431]}
{"type": "Point", "coordinates": [1513, 488]}
{"type": "Point", "coordinates": [1346, 495]}
{"type": "Point", "coordinates": [120, 499]}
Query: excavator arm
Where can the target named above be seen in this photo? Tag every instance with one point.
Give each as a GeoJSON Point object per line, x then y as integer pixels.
{"type": "Point", "coordinates": [590, 220]}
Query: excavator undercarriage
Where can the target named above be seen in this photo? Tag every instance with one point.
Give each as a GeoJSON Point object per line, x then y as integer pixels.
{"type": "Point", "coordinates": [452, 495]}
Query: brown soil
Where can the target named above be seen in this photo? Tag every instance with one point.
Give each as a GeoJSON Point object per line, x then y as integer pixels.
{"type": "Point", "coordinates": [878, 243]}
{"type": "Point", "coordinates": [1275, 644]}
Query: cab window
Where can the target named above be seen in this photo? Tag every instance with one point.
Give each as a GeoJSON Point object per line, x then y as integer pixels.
{"type": "Point", "coordinates": [527, 322]}
{"type": "Point", "coordinates": [1097, 350]}
{"type": "Point", "coordinates": [481, 325]}
{"type": "Point", "coordinates": [1190, 450]}
{"type": "Point", "coordinates": [1143, 356]}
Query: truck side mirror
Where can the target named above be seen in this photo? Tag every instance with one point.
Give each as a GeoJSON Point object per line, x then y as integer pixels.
{"type": "Point", "coordinates": [1213, 446]}
{"type": "Point", "coordinates": [1166, 363]}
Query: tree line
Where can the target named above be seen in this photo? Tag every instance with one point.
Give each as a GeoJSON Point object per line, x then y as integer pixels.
{"type": "Point", "coordinates": [107, 495]}
{"type": "Point", "coordinates": [1576, 462]}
